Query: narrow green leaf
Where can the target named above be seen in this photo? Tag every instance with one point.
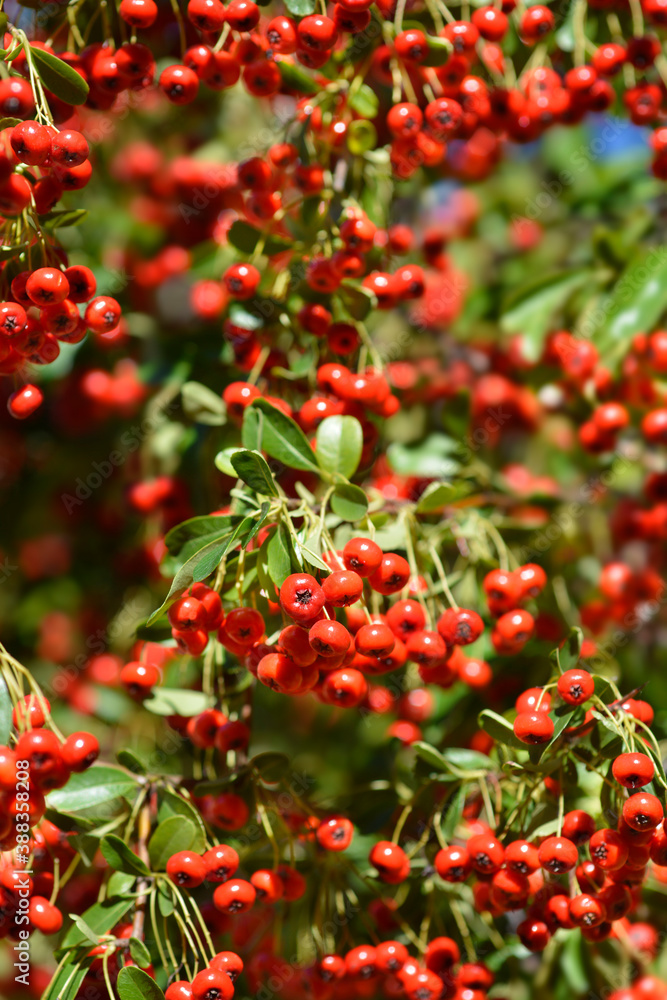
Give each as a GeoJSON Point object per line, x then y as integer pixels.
{"type": "Point", "coordinates": [533, 308]}
{"type": "Point", "coordinates": [6, 709]}
{"type": "Point", "coordinates": [279, 555]}
{"type": "Point", "coordinates": [65, 218]}
{"type": "Point", "coordinates": [636, 302]}
{"type": "Point", "coordinates": [59, 77]}
{"type": "Point", "coordinates": [121, 858]}
{"type": "Point", "coordinates": [100, 918]}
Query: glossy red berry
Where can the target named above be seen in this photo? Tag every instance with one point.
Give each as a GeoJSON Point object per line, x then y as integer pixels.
{"type": "Point", "coordinates": [25, 401]}
{"type": "Point", "coordinates": [234, 896]}
{"type": "Point", "coordinates": [212, 984]}
{"type": "Point", "coordinates": [633, 770]}
{"type": "Point", "coordinates": [460, 626]}
{"type": "Point", "coordinates": [301, 597]}
{"type": "Point", "coordinates": [642, 811]}
{"type": "Point", "coordinates": [335, 833]}
{"type": "Point", "coordinates": [186, 869]}
{"type": "Point", "coordinates": [46, 917]}
{"type": "Point", "coordinates": [533, 727]}
{"type": "Point", "coordinates": [557, 855]}
{"type": "Point", "coordinates": [575, 686]}
{"type": "Point", "coordinates": [363, 556]}
{"type": "Point", "coordinates": [80, 750]}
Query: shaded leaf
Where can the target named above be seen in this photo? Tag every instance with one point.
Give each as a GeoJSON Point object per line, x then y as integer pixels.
{"type": "Point", "coordinates": [58, 77]}
{"type": "Point", "coordinates": [120, 857]}
{"type": "Point", "coordinates": [253, 469]}
{"type": "Point", "coordinates": [172, 835]}
{"type": "Point", "coordinates": [349, 502]}
{"type": "Point", "coordinates": [135, 984]}
{"type": "Point", "coordinates": [283, 439]}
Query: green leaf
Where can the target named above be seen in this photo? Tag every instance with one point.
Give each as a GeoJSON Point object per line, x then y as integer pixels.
{"type": "Point", "coordinates": [203, 405]}
{"type": "Point", "coordinates": [283, 439]}
{"type": "Point", "coordinates": [135, 984]}
{"type": "Point", "coordinates": [204, 528]}
{"type": "Point", "coordinates": [532, 308]}
{"type": "Point", "coordinates": [499, 729]}
{"type": "Point", "coordinates": [65, 218]}
{"type": "Point", "coordinates": [119, 884]}
{"type": "Point", "coordinates": [364, 101]}
{"type": "Point", "coordinates": [271, 766]}
{"type": "Point", "coordinates": [9, 122]}
{"type": "Point", "coordinates": [66, 982]}
{"type": "Point", "coordinates": [172, 835]}
{"type": "Point", "coordinates": [121, 858]}
{"type": "Point", "coordinates": [165, 902]}
{"type": "Point", "coordinates": [178, 701]}
{"type": "Point", "coordinates": [361, 136]}
{"type": "Point", "coordinates": [358, 301]}
{"type": "Point", "coordinates": [636, 302]}
{"type": "Point", "coordinates": [128, 759]}
{"type": "Point", "coordinates": [91, 788]}
{"type": "Point", "coordinates": [253, 469]}
{"type": "Point", "coordinates": [245, 238]}
{"type": "Point", "coordinates": [300, 8]}
{"type": "Point", "coordinates": [438, 495]}
{"type": "Point", "coordinates": [6, 709]}
{"type": "Point", "coordinates": [431, 459]}
{"type": "Point", "coordinates": [439, 51]}
{"type": "Point", "coordinates": [279, 554]}
{"type": "Point", "coordinates": [453, 812]}
{"type": "Point", "coordinates": [100, 918]}
{"type": "Point", "coordinates": [569, 654]}
{"type": "Point", "coordinates": [173, 804]}
{"type": "Point", "coordinates": [196, 568]}
{"type": "Point", "coordinates": [460, 757]}
{"type": "Point", "coordinates": [139, 953]}
{"type": "Point", "coordinates": [223, 461]}
{"type": "Point", "coordinates": [349, 502]}
{"type": "Point", "coordinates": [88, 934]}
{"type": "Point", "coordinates": [251, 429]}
{"type": "Point", "coordinates": [58, 77]}
{"type": "Point", "coordinates": [338, 445]}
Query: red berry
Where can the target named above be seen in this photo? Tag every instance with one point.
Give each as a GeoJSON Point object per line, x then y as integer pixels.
{"type": "Point", "coordinates": [533, 727]}
{"type": "Point", "coordinates": [186, 869]}
{"type": "Point", "coordinates": [212, 984]}
{"type": "Point", "coordinates": [633, 770]}
{"type": "Point", "coordinates": [25, 401]}
{"type": "Point", "coordinates": [234, 896]}
{"type": "Point", "coordinates": [575, 686]}
{"type": "Point", "coordinates": [335, 833]}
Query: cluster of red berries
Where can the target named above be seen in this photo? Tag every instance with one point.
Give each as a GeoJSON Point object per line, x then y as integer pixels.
{"type": "Point", "coordinates": [49, 761]}
{"type": "Point", "coordinates": [44, 313]}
